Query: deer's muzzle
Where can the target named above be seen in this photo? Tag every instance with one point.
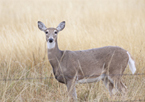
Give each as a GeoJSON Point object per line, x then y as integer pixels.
{"type": "Point", "coordinates": [50, 40]}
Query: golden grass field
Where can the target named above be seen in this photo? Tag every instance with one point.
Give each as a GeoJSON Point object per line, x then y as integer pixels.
{"type": "Point", "coordinates": [89, 24]}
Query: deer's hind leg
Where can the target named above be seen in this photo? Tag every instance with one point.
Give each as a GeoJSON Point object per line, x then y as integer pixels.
{"type": "Point", "coordinates": [119, 85]}
{"type": "Point", "coordinates": [109, 85]}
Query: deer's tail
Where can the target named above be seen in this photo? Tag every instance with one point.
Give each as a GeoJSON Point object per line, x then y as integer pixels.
{"type": "Point", "coordinates": [131, 63]}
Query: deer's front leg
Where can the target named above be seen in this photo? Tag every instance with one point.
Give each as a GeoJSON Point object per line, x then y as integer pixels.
{"type": "Point", "coordinates": [71, 90]}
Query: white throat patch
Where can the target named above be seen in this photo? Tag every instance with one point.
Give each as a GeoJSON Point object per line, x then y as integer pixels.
{"type": "Point", "coordinates": [50, 45]}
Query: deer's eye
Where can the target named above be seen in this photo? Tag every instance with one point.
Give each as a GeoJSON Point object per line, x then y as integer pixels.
{"type": "Point", "coordinates": [55, 32]}
{"type": "Point", "coordinates": [46, 32]}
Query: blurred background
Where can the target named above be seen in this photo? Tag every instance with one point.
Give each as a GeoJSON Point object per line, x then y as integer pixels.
{"type": "Point", "coordinates": [89, 24]}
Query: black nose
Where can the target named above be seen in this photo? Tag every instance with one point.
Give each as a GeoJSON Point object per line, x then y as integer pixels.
{"type": "Point", "coordinates": [50, 40]}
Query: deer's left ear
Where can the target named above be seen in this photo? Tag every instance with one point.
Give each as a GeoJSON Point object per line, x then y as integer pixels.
{"type": "Point", "coordinates": [61, 26]}
{"type": "Point", "coordinates": [41, 26]}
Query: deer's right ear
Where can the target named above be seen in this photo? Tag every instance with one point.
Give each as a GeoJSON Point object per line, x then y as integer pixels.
{"type": "Point", "coordinates": [41, 26]}
{"type": "Point", "coordinates": [61, 26]}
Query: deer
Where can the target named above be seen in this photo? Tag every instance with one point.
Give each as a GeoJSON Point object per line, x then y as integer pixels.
{"type": "Point", "coordinates": [86, 66]}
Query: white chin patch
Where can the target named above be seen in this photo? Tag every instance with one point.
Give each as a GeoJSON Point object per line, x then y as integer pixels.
{"type": "Point", "coordinates": [50, 45]}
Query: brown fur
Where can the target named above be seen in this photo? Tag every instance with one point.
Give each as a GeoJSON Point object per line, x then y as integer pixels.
{"type": "Point", "coordinates": [71, 66]}
{"type": "Point", "coordinates": [88, 62]}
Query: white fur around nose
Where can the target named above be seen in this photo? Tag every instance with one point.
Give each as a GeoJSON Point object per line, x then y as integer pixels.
{"type": "Point", "coordinates": [50, 45]}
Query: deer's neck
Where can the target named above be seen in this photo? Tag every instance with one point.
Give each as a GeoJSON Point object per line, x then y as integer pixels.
{"type": "Point", "coordinates": [54, 54]}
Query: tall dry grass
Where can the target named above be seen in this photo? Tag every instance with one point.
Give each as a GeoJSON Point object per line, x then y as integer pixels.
{"type": "Point", "coordinates": [89, 24]}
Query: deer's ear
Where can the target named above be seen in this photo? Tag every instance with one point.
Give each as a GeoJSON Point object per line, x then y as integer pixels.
{"type": "Point", "coordinates": [61, 26]}
{"type": "Point", "coordinates": [41, 26]}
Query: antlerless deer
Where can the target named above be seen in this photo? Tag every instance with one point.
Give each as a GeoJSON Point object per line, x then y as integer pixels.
{"type": "Point", "coordinates": [70, 67]}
